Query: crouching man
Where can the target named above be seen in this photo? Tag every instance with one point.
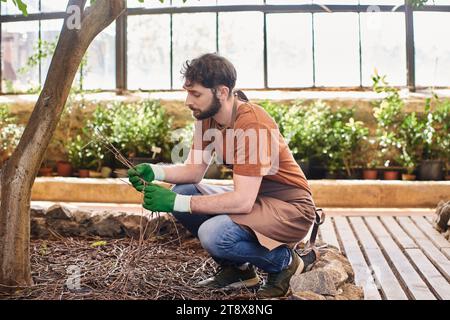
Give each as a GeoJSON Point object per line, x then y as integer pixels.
{"type": "Point", "coordinates": [269, 208]}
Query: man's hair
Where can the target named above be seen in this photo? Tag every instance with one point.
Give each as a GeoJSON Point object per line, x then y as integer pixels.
{"type": "Point", "coordinates": [210, 70]}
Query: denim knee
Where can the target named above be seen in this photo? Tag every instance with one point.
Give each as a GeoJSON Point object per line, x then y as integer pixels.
{"type": "Point", "coordinates": [215, 233]}
{"type": "Point", "coordinates": [185, 189]}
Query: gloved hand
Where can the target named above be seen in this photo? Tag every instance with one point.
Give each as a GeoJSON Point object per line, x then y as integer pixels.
{"type": "Point", "coordinates": [158, 199]}
{"type": "Point", "coordinates": [144, 171]}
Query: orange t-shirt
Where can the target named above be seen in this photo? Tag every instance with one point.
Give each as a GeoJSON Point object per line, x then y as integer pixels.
{"type": "Point", "coordinates": [257, 146]}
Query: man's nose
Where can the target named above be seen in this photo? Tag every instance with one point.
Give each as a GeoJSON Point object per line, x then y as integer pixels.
{"type": "Point", "coordinates": [188, 103]}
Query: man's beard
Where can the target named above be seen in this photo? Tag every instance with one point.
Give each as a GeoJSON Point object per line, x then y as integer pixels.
{"type": "Point", "coordinates": [212, 110]}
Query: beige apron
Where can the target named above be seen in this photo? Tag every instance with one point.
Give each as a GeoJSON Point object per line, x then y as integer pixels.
{"type": "Point", "coordinates": [281, 214]}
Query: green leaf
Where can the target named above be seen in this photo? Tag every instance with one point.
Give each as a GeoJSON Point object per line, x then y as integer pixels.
{"type": "Point", "coordinates": [98, 244]}
{"type": "Point", "coordinates": [21, 5]}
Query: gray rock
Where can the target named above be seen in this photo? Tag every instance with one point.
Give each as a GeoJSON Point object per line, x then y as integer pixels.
{"type": "Point", "coordinates": [306, 295]}
{"type": "Point", "coordinates": [350, 292]}
{"type": "Point", "coordinates": [106, 224]}
{"type": "Point", "coordinates": [333, 259]}
{"type": "Point", "coordinates": [337, 272]}
{"type": "Point", "coordinates": [59, 212]}
{"type": "Point", "coordinates": [318, 281]}
{"type": "Point", "coordinates": [37, 212]}
{"type": "Point", "coordinates": [442, 218]}
{"type": "Point", "coordinates": [38, 228]}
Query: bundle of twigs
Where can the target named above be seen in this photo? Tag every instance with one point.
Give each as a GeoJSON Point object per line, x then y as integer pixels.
{"type": "Point", "coordinates": [133, 256]}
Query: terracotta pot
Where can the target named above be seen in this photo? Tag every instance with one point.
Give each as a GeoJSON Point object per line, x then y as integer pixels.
{"type": "Point", "coordinates": [447, 177]}
{"type": "Point", "coordinates": [390, 175]}
{"type": "Point", "coordinates": [370, 174]}
{"type": "Point", "coordinates": [95, 174]}
{"type": "Point", "coordinates": [46, 172]}
{"type": "Point", "coordinates": [64, 168]}
{"type": "Point", "coordinates": [408, 177]}
{"type": "Point", "coordinates": [83, 173]}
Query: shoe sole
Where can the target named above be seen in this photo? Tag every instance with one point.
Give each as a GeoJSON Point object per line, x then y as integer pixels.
{"type": "Point", "coordinates": [249, 283]}
{"type": "Point", "coordinates": [300, 268]}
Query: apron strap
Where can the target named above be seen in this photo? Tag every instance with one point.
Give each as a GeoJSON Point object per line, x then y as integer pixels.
{"type": "Point", "coordinates": [311, 244]}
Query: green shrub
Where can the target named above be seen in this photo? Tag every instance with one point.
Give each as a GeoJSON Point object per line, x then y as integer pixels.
{"type": "Point", "coordinates": [277, 111]}
{"type": "Point", "coordinates": [85, 153]}
{"type": "Point", "coordinates": [134, 128]}
{"type": "Point", "coordinates": [10, 133]}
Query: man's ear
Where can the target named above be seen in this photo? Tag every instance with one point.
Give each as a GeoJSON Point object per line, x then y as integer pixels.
{"type": "Point", "coordinates": [222, 92]}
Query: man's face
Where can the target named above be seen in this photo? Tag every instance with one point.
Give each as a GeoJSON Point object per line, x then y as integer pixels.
{"type": "Point", "coordinates": [202, 102]}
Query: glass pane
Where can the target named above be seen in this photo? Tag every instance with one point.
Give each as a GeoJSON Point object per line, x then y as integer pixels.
{"type": "Point", "coordinates": [288, 1]}
{"type": "Point", "coordinates": [50, 30]}
{"type": "Point", "coordinates": [238, 2]}
{"type": "Point", "coordinates": [241, 41]}
{"type": "Point", "coordinates": [383, 47]}
{"type": "Point", "coordinates": [336, 49]}
{"type": "Point", "coordinates": [193, 3]}
{"type": "Point", "coordinates": [289, 50]}
{"type": "Point", "coordinates": [383, 2]}
{"type": "Point", "coordinates": [148, 4]}
{"type": "Point", "coordinates": [53, 5]}
{"type": "Point", "coordinates": [19, 42]}
{"type": "Point", "coordinates": [431, 32]}
{"type": "Point", "coordinates": [9, 8]}
{"type": "Point", "coordinates": [349, 2]}
{"type": "Point", "coordinates": [193, 35]}
{"type": "Point", "coordinates": [149, 52]}
{"type": "Point", "coordinates": [100, 72]}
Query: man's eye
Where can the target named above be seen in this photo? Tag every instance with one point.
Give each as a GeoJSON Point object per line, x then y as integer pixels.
{"type": "Point", "coordinates": [197, 95]}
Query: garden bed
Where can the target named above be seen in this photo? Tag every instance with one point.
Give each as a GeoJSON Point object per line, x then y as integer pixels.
{"type": "Point", "coordinates": [165, 263]}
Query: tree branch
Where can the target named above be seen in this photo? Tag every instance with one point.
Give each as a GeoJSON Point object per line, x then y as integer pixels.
{"type": "Point", "coordinates": [100, 15]}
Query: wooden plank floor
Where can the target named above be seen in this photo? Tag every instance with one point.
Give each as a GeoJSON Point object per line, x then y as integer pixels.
{"type": "Point", "coordinates": [395, 255]}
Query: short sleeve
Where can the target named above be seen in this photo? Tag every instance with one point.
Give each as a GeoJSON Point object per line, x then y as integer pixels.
{"type": "Point", "coordinates": [256, 150]}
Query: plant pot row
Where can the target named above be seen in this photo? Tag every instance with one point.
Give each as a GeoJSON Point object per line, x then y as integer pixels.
{"type": "Point", "coordinates": [65, 169]}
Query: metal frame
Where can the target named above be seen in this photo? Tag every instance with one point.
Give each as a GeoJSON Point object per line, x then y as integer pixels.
{"type": "Point", "coordinates": [121, 31]}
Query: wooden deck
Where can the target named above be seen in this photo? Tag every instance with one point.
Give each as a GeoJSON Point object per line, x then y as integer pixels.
{"type": "Point", "coordinates": [396, 254]}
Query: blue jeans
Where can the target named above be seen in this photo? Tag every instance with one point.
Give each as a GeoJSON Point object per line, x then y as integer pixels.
{"type": "Point", "coordinates": [227, 242]}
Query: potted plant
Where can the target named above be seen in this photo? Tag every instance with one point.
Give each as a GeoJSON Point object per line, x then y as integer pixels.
{"type": "Point", "coordinates": [409, 138]}
{"type": "Point", "coordinates": [442, 127]}
{"type": "Point", "coordinates": [304, 131]}
{"type": "Point", "coordinates": [45, 170]}
{"type": "Point", "coordinates": [63, 168]}
{"type": "Point", "coordinates": [352, 135]}
{"type": "Point", "coordinates": [431, 167]}
{"type": "Point", "coordinates": [369, 158]}
{"type": "Point", "coordinates": [69, 126]}
{"type": "Point", "coordinates": [85, 155]}
{"type": "Point", "coordinates": [388, 115]}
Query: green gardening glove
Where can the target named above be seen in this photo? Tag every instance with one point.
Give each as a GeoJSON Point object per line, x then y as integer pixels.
{"type": "Point", "coordinates": [158, 199]}
{"type": "Point", "coordinates": [141, 171]}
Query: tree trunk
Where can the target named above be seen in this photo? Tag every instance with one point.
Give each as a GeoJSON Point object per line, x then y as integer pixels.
{"type": "Point", "coordinates": [18, 175]}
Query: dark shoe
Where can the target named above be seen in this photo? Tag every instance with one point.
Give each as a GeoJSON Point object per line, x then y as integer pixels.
{"type": "Point", "coordinates": [277, 284]}
{"type": "Point", "coordinates": [229, 277]}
